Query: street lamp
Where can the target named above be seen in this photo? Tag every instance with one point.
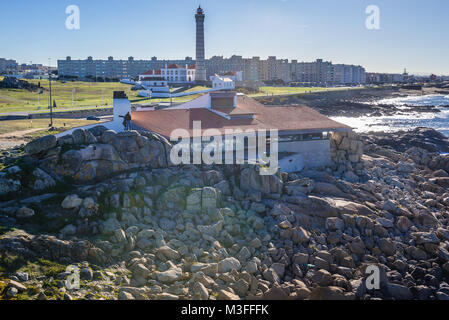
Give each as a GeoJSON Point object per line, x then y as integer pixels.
{"type": "Point", "coordinates": [51, 105]}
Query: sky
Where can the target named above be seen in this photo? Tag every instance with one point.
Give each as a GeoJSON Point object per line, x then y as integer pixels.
{"type": "Point", "coordinates": [413, 34]}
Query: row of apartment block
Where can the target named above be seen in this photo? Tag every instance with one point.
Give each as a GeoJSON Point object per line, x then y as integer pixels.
{"type": "Point", "coordinates": [8, 65]}
{"type": "Point", "coordinates": [113, 69]}
{"type": "Point", "coordinates": [253, 69]}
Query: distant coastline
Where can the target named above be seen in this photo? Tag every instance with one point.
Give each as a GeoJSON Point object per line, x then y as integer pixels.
{"type": "Point", "coordinates": [379, 109]}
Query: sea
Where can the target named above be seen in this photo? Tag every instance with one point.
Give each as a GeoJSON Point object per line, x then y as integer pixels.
{"type": "Point", "coordinates": [438, 121]}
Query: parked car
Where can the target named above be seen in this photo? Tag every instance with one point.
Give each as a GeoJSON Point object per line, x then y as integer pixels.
{"type": "Point", "coordinates": [93, 118]}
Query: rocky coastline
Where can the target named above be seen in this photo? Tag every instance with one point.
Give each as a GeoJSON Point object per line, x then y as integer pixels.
{"type": "Point", "coordinates": [359, 102]}
{"type": "Point", "coordinates": [161, 232]}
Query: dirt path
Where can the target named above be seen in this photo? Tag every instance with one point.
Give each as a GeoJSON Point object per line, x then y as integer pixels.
{"type": "Point", "coordinates": [18, 134]}
{"type": "Point", "coordinates": [15, 138]}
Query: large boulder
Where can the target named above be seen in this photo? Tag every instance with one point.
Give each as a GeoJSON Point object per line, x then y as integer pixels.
{"type": "Point", "coordinates": [97, 131]}
{"type": "Point", "coordinates": [109, 226]}
{"type": "Point", "coordinates": [8, 186]}
{"type": "Point", "coordinates": [24, 212]}
{"type": "Point", "coordinates": [328, 189]}
{"type": "Point", "coordinates": [71, 202]}
{"type": "Point", "coordinates": [117, 152]}
{"type": "Point", "coordinates": [193, 201]}
{"type": "Point", "coordinates": [168, 253]}
{"type": "Point", "coordinates": [251, 179]}
{"type": "Point", "coordinates": [40, 145]}
{"type": "Point", "coordinates": [357, 246]}
{"type": "Point", "coordinates": [387, 246]}
{"type": "Point", "coordinates": [92, 162]}
{"type": "Point", "coordinates": [229, 264]}
{"type": "Point", "coordinates": [332, 207]}
{"type": "Point", "coordinates": [97, 153]}
{"type": "Point", "coordinates": [171, 275]}
{"type": "Point", "coordinates": [322, 278]}
{"type": "Point", "coordinates": [174, 198]}
{"type": "Point", "coordinates": [79, 136]}
{"type": "Point", "coordinates": [209, 200]}
{"type": "Point", "coordinates": [42, 180]}
{"type": "Point", "coordinates": [399, 292]}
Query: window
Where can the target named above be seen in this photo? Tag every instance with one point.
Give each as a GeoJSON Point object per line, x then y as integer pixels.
{"type": "Point", "coordinates": [305, 137]}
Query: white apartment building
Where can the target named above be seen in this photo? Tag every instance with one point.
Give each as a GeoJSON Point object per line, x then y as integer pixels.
{"type": "Point", "coordinates": [253, 69]}
{"type": "Point", "coordinates": [169, 74]}
{"type": "Point", "coordinates": [348, 74]}
{"type": "Point", "coordinates": [113, 69]}
{"type": "Point", "coordinates": [176, 74]}
{"type": "Point", "coordinates": [8, 65]}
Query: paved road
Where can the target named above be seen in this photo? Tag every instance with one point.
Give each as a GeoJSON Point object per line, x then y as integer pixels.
{"type": "Point", "coordinates": [46, 111]}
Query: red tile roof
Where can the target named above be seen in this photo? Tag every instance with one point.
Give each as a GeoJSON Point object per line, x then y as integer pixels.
{"type": "Point", "coordinates": [193, 66]}
{"type": "Point", "coordinates": [282, 118]}
{"type": "Point", "coordinates": [232, 111]}
{"type": "Point", "coordinates": [174, 66]}
{"type": "Point", "coordinates": [151, 72]}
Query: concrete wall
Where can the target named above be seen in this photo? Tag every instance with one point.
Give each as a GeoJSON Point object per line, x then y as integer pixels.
{"type": "Point", "coordinates": [314, 153]}
{"type": "Point", "coordinates": [121, 108]}
{"type": "Point", "coordinates": [293, 163]}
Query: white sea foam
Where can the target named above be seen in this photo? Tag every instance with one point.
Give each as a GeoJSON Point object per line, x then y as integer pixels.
{"type": "Point", "coordinates": [438, 121]}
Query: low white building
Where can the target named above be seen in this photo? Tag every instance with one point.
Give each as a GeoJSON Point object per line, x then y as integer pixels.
{"type": "Point", "coordinates": [222, 82]}
{"type": "Point", "coordinates": [237, 76]}
{"type": "Point", "coordinates": [154, 79]}
{"type": "Point", "coordinates": [169, 74]}
{"type": "Point", "coordinates": [303, 133]}
{"type": "Point", "coordinates": [176, 74]}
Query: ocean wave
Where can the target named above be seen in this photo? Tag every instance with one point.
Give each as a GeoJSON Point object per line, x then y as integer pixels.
{"type": "Point", "coordinates": [438, 121]}
{"type": "Point", "coordinates": [419, 101]}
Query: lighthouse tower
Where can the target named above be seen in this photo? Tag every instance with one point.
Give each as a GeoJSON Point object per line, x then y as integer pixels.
{"type": "Point", "coordinates": [200, 74]}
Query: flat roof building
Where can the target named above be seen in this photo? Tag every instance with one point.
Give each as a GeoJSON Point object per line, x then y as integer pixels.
{"type": "Point", "coordinates": [303, 134]}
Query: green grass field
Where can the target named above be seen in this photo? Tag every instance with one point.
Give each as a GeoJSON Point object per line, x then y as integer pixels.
{"type": "Point", "coordinates": [87, 94]}
{"type": "Point", "coordinates": [277, 91]}
{"type": "Point", "coordinates": [61, 125]}
{"type": "Point", "coordinates": [91, 94]}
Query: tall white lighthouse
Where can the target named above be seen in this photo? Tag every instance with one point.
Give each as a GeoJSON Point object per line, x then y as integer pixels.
{"type": "Point", "coordinates": [200, 54]}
